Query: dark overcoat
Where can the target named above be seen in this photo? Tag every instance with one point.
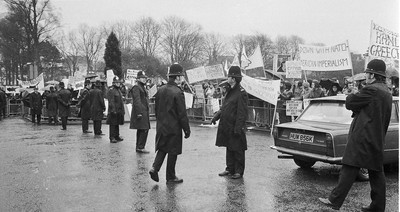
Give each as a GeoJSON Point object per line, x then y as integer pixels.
{"type": "Point", "coordinates": [140, 105]}
{"type": "Point", "coordinates": [116, 109]}
{"type": "Point", "coordinates": [97, 106]}
{"type": "Point", "coordinates": [233, 115]}
{"type": "Point", "coordinates": [3, 99]}
{"type": "Point", "coordinates": [84, 104]}
{"type": "Point", "coordinates": [64, 102]}
{"type": "Point", "coordinates": [170, 111]}
{"type": "Point", "coordinates": [51, 104]}
{"type": "Point", "coordinates": [36, 103]}
{"type": "Point", "coordinates": [371, 116]}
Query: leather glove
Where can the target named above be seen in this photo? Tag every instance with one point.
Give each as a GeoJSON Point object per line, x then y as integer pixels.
{"type": "Point", "coordinates": [187, 134]}
{"type": "Point", "coordinates": [139, 116]}
{"type": "Point", "coordinates": [213, 121]}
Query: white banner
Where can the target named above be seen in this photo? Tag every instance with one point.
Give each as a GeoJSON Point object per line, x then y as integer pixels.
{"type": "Point", "coordinates": [325, 58]}
{"type": "Point", "coordinates": [293, 69]}
{"type": "Point", "coordinates": [110, 77]}
{"type": "Point", "coordinates": [265, 90]}
{"type": "Point", "coordinates": [131, 76]}
{"type": "Point", "coordinates": [384, 45]}
{"type": "Point", "coordinates": [188, 100]}
{"type": "Point", "coordinates": [152, 91]}
{"type": "Point", "coordinates": [38, 81]}
{"type": "Point", "coordinates": [196, 74]}
{"type": "Point", "coordinates": [294, 108]}
{"type": "Point", "coordinates": [214, 105]}
{"type": "Point", "coordinates": [214, 72]}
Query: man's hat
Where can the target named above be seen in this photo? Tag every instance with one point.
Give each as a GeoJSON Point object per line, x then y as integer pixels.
{"type": "Point", "coordinates": [234, 71]}
{"type": "Point", "coordinates": [116, 79]}
{"type": "Point", "coordinates": [87, 82]}
{"type": "Point", "coordinates": [141, 74]}
{"type": "Point", "coordinates": [176, 70]}
{"type": "Point", "coordinates": [376, 66]}
{"type": "Point", "coordinates": [61, 84]}
{"type": "Point", "coordinates": [98, 83]}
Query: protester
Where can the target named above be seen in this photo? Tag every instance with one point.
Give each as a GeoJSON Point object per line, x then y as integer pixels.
{"type": "Point", "coordinates": [64, 103]}
{"type": "Point", "coordinates": [297, 90]}
{"type": "Point", "coordinates": [334, 90]}
{"type": "Point", "coordinates": [170, 111]}
{"type": "Point", "coordinates": [284, 96]}
{"type": "Point", "coordinates": [97, 107]}
{"type": "Point", "coordinates": [140, 117]}
{"type": "Point", "coordinates": [116, 110]}
{"type": "Point", "coordinates": [306, 90]}
{"type": "Point", "coordinates": [232, 125]}
{"type": "Point", "coordinates": [371, 109]}
{"type": "Point", "coordinates": [84, 104]}
{"type": "Point", "coordinates": [3, 103]}
{"type": "Point", "coordinates": [316, 90]}
{"type": "Point", "coordinates": [51, 106]}
{"type": "Point", "coordinates": [36, 103]}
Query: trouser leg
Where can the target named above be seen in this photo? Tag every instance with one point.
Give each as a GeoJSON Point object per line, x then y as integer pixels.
{"type": "Point", "coordinates": [112, 131]}
{"type": "Point", "coordinates": [116, 131]}
{"type": "Point", "coordinates": [39, 118]}
{"type": "Point", "coordinates": [171, 162]}
{"type": "Point", "coordinates": [33, 117]}
{"type": "Point", "coordinates": [85, 125]}
{"type": "Point", "coordinates": [239, 162]}
{"type": "Point", "coordinates": [230, 161]}
{"type": "Point", "coordinates": [64, 122]}
{"type": "Point", "coordinates": [377, 182]}
{"type": "Point", "coordinates": [97, 127]}
{"type": "Point", "coordinates": [347, 177]}
{"type": "Point", "coordinates": [141, 138]}
{"type": "Point", "coordinates": [158, 161]}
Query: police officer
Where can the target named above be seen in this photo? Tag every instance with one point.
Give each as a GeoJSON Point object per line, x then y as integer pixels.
{"type": "Point", "coordinates": [232, 129]}
{"type": "Point", "coordinates": [52, 106]}
{"type": "Point", "coordinates": [64, 103]}
{"type": "Point", "coordinates": [84, 104]}
{"type": "Point", "coordinates": [116, 110]}
{"type": "Point", "coordinates": [140, 119]}
{"type": "Point", "coordinates": [3, 102]}
{"type": "Point", "coordinates": [36, 103]}
{"type": "Point", "coordinates": [97, 107]}
{"type": "Point", "coordinates": [171, 121]}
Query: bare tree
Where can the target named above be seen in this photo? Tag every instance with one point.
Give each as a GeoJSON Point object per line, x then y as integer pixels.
{"type": "Point", "coordinates": [214, 47]}
{"type": "Point", "coordinates": [38, 21]}
{"type": "Point", "coordinates": [123, 31]}
{"type": "Point", "coordinates": [147, 33]}
{"type": "Point", "coordinates": [282, 45]}
{"type": "Point", "coordinates": [91, 42]}
{"type": "Point", "coordinates": [294, 42]}
{"type": "Point", "coordinates": [181, 41]}
{"type": "Point", "coordinates": [69, 48]}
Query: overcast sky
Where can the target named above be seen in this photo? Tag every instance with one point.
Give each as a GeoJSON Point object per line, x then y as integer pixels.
{"type": "Point", "coordinates": [316, 21]}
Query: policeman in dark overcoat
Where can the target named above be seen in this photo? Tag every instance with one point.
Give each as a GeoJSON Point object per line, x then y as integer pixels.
{"type": "Point", "coordinates": [64, 103]}
{"type": "Point", "coordinates": [116, 110]}
{"type": "Point", "coordinates": [3, 102]}
{"type": "Point", "coordinates": [36, 103]}
{"type": "Point", "coordinates": [52, 106]}
{"type": "Point", "coordinates": [97, 107]}
{"type": "Point", "coordinates": [232, 129]}
{"type": "Point", "coordinates": [371, 109]}
{"type": "Point", "coordinates": [140, 119]}
{"type": "Point", "coordinates": [84, 104]}
{"type": "Point", "coordinates": [170, 111]}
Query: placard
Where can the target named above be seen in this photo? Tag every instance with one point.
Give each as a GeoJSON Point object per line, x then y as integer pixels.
{"type": "Point", "coordinates": [384, 45]}
{"type": "Point", "coordinates": [263, 89]}
{"type": "Point", "coordinates": [188, 100]}
{"type": "Point", "coordinates": [293, 69]}
{"type": "Point", "coordinates": [294, 108]}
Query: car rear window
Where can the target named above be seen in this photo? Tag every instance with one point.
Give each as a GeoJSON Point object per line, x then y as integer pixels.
{"type": "Point", "coordinates": [330, 112]}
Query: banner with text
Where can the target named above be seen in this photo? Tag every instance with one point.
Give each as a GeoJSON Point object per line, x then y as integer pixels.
{"type": "Point", "coordinates": [265, 90]}
{"type": "Point", "coordinates": [214, 72]}
{"type": "Point", "coordinates": [325, 58]}
{"type": "Point", "coordinates": [384, 45]}
{"type": "Point", "coordinates": [131, 75]}
{"type": "Point", "coordinates": [205, 73]}
{"type": "Point", "coordinates": [293, 69]}
{"type": "Point", "coordinates": [38, 81]}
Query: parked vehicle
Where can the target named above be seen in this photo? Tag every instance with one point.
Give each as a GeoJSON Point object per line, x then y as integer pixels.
{"type": "Point", "coordinates": [320, 134]}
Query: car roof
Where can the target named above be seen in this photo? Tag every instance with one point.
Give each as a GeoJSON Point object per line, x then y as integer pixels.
{"type": "Point", "coordinates": [340, 97]}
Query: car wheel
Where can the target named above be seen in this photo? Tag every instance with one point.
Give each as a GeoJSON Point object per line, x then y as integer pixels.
{"type": "Point", "coordinates": [363, 175]}
{"type": "Point", "coordinates": [305, 164]}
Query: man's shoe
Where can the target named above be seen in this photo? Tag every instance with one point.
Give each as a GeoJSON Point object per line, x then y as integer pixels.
{"type": "Point", "coordinates": [119, 139]}
{"type": "Point", "coordinates": [175, 180]}
{"type": "Point", "coordinates": [142, 151]}
{"type": "Point", "coordinates": [99, 134]}
{"type": "Point", "coordinates": [154, 175]}
{"type": "Point", "coordinates": [367, 208]}
{"type": "Point", "coordinates": [63, 128]}
{"type": "Point", "coordinates": [113, 140]}
{"type": "Point", "coordinates": [236, 176]}
{"type": "Point", "coordinates": [87, 131]}
{"type": "Point", "coordinates": [224, 173]}
{"type": "Point", "coordinates": [328, 203]}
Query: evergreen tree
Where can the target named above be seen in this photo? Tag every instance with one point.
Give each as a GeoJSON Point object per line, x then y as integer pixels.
{"type": "Point", "coordinates": [112, 55]}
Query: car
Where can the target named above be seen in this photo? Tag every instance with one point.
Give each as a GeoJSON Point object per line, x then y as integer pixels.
{"type": "Point", "coordinates": [320, 134]}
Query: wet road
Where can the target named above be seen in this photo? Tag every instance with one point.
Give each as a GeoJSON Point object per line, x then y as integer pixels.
{"type": "Point", "coordinates": [45, 169]}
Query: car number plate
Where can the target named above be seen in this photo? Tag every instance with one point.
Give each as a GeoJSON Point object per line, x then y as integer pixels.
{"type": "Point", "coordinates": [301, 137]}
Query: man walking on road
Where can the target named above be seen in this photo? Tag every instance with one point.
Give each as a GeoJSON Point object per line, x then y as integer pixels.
{"type": "Point", "coordinates": [84, 104]}
{"type": "Point", "coordinates": [64, 103]}
{"type": "Point", "coordinates": [116, 110]}
{"type": "Point", "coordinates": [97, 107]}
{"type": "Point", "coordinates": [140, 119]}
{"type": "Point", "coordinates": [371, 109]}
{"type": "Point", "coordinates": [35, 100]}
{"type": "Point", "coordinates": [232, 125]}
{"type": "Point", "coordinates": [170, 111]}
{"type": "Point", "coordinates": [51, 106]}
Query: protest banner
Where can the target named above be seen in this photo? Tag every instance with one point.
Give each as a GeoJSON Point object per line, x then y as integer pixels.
{"type": "Point", "coordinates": [110, 77]}
{"type": "Point", "coordinates": [214, 105]}
{"type": "Point", "coordinates": [279, 63]}
{"type": "Point", "coordinates": [196, 74]}
{"type": "Point", "coordinates": [214, 72]}
{"type": "Point", "coordinates": [293, 69]}
{"type": "Point", "coordinates": [294, 108]}
{"type": "Point", "coordinates": [199, 91]}
{"type": "Point", "coordinates": [188, 100]}
{"type": "Point", "coordinates": [12, 89]}
{"type": "Point", "coordinates": [131, 76]}
{"type": "Point", "coordinates": [38, 81]}
{"type": "Point", "coordinates": [325, 58]}
{"type": "Point", "coordinates": [265, 90]}
{"type": "Point", "coordinates": [384, 45]}
{"type": "Point", "coordinates": [152, 91]}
